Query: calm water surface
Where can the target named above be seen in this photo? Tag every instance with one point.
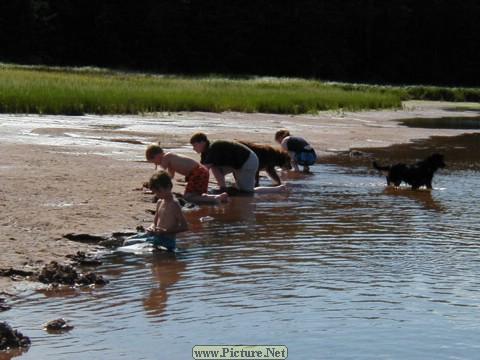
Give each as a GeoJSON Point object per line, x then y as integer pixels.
{"type": "Point", "coordinates": [339, 268]}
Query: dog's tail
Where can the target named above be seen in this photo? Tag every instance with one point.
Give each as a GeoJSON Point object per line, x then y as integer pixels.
{"type": "Point", "coordinates": [380, 168]}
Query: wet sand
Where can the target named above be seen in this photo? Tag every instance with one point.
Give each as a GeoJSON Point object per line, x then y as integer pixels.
{"type": "Point", "coordinates": [51, 190]}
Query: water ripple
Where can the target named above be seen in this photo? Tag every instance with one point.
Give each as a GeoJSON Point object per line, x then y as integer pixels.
{"type": "Point", "coordinates": [339, 256]}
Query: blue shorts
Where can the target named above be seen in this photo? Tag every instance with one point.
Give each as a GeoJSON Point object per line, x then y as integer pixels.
{"type": "Point", "coordinates": [306, 158]}
{"type": "Point", "coordinates": [166, 241]}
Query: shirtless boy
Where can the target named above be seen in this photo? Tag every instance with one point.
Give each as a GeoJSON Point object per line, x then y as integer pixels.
{"type": "Point", "coordinates": [169, 219]}
{"type": "Point", "coordinates": [196, 174]}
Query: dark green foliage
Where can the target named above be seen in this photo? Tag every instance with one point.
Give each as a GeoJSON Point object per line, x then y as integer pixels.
{"type": "Point", "coordinates": [382, 42]}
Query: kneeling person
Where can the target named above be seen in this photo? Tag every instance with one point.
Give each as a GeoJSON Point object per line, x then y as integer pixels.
{"type": "Point", "coordinates": [223, 157]}
{"type": "Point", "coordinates": [196, 174]}
{"type": "Point", "coordinates": [169, 218]}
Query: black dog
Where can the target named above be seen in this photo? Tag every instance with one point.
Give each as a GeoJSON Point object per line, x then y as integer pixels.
{"type": "Point", "coordinates": [268, 158]}
{"type": "Point", "coordinates": [416, 175]}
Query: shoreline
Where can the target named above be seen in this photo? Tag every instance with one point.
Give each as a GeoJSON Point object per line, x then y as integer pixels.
{"type": "Point", "coordinates": [51, 190]}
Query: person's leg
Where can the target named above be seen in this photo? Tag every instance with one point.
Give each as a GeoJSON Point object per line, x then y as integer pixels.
{"type": "Point", "coordinates": [207, 198]}
{"type": "Point", "coordinates": [311, 159]}
{"type": "Point", "coordinates": [197, 187]}
{"type": "Point", "coordinates": [168, 243]}
{"type": "Point", "coordinates": [245, 176]}
{"type": "Point", "coordinates": [306, 159]}
{"type": "Point", "coordinates": [270, 189]}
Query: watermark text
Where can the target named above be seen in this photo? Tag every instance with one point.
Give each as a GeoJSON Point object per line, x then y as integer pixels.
{"type": "Point", "coordinates": [239, 352]}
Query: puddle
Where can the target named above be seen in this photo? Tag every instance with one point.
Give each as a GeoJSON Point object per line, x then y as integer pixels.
{"type": "Point", "coordinates": [466, 123]}
{"type": "Point", "coordinates": [461, 153]}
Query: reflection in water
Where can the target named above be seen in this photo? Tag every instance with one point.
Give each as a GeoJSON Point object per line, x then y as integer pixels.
{"type": "Point", "coordinates": [339, 267]}
{"type": "Point", "coordinates": [166, 271]}
{"type": "Point", "coordinates": [422, 196]}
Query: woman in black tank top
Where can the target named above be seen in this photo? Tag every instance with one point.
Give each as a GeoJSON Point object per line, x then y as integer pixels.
{"type": "Point", "coordinates": [299, 149]}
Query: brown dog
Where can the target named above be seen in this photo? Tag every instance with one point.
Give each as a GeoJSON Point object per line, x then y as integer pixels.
{"type": "Point", "coordinates": [268, 158]}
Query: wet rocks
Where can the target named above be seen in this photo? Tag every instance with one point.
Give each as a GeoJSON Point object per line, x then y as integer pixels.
{"type": "Point", "coordinates": [58, 326]}
{"type": "Point", "coordinates": [81, 258]}
{"type": "Point", "coordinates": [112, 241]}
{"type": "Point", "coordinates": [3, 306]}
{"type": "Point", "coordinates": [84, 238]}
{"type": "Point", "coordinates": [56, 274]}
{"type": "Point", "coordinates": [10, 338]}
{"type": "Point", "coordinates": [357, 153]}
{"type": "Point", "coordinates": [91, 279]}
{"type": "Point", "coordinates": [16, 274]}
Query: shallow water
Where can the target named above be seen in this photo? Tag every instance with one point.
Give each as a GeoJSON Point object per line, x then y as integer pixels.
{"type": "Point", "coordinates": [122, 137]}
{"type": "Point", "coordinates": [339, 268]}
{"type": "Point", "coordinates": [444, 123]}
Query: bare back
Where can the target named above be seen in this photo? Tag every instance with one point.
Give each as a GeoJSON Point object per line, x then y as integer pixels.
{"type": "Point", "coordinates": [169, 216]}
{"type": "Point", "coordinates": [176, 163]}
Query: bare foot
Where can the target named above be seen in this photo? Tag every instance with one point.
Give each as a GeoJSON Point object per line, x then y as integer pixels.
{"type": "Point", "coordinates": [223, 197]}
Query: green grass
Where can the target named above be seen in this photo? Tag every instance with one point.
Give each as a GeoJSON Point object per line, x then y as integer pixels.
{"type": "Point", "coordinates": [74, 91]}
{"type": "Point", "coordinates": [420, 92]}
{"type": "Point", "coordinates": [71, 91]}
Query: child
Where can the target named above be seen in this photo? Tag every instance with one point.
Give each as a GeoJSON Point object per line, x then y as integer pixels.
{"type": "Point", "coordinates": [169, 219]}
{"type": "Point", "coordinates": [196, 174]}
{"type": "Point", "coordinates": [298, 148]}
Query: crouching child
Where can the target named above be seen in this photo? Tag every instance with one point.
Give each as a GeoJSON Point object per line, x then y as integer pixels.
{"type": "Point", "coordinates": [169, 218]}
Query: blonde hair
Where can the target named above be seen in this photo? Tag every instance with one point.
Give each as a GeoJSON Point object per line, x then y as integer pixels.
{"type": "Point", "coordinates": [152, 150]}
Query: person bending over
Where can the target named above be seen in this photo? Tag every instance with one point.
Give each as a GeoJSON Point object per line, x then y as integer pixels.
{"type": "Point", "coordinates": [223, 157]}
{"type": "Point", "coordinates": [298, 148]}
{"type": "Point", "coordinates": [196, 174]}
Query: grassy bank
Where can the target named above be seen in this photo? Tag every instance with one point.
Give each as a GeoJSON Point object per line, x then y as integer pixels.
{"type": "Point", "coordinates": [421, 92]}
{"type": "Point", "coordinates": [73, 91]}
{"type": "Point", "coordinates": [45, 90]}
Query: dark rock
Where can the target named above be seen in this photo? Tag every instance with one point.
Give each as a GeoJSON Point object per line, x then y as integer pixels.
{"type": "Point", "coordinates": [56, 274]}
{"type": "Point", "coordinates": [83, 259]}
{"type": "Point", "coordinates": [10, 338]}
{"type": "Point", "coordinates": [58, 326]}
{"type": "Point", "coordinates": [3, 306]}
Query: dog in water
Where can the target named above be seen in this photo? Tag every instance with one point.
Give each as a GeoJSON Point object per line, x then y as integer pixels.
{"type": "Point", "coordinates": [268, 158]}
{"type": "Point", "coordinates": [416, 175]}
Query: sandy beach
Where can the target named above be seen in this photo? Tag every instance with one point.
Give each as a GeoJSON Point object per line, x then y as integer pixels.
{"type": "Point", "coordinates": [49, 190]}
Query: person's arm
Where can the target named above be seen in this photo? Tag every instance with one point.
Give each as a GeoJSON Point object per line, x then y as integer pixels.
{"type": "Point", "coordinates": [284, 146]}
{"type": "Point", "coordinates": [167, 164]}
{"type": "Point", "coordinates": [219, 176]}
{"type": "Point", "coordinates": [293, 162]}
{"type": "Point", "coordinates": [151, 228]}
{"type": "Point", "coordinates": [284, 143]}
{"type": "Point", "coordinates": [182, 221]}
{"type": "Point", "coordinates": [209, 161]}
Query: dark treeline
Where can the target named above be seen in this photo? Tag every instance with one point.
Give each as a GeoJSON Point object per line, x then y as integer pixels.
{"type": "Point", "coordinates": [377, 41]}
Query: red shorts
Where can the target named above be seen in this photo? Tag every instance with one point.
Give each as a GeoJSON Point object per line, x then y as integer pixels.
{"type": "Point", "coordinates": [197, 180]}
